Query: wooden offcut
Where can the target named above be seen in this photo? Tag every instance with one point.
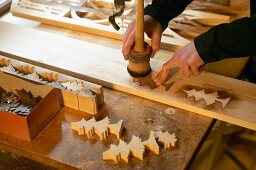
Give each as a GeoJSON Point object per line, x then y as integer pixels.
{"type": "Point", "coordinates": [106, 66]}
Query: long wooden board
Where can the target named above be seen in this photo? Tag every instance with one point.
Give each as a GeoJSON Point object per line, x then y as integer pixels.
{"type": "Point", "coordinates": [106, 66]}
{"type": "Point", "coordinates": [60, 17]}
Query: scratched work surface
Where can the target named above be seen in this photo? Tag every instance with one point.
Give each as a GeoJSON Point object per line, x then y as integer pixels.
{"type": "Point", "coordinates": [57, 145]}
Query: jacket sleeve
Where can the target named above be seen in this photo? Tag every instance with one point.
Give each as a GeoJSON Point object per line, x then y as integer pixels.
{"type": "Point", "coordinates": [236, 39]}
{"type": "Point", "coordinates": [165, 10]}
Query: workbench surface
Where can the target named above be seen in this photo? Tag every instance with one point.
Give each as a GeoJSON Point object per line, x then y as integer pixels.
{"type": "Point", "coordinates": [57, 145]}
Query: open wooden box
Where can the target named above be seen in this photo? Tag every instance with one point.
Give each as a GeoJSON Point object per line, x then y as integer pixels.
{"type": "Point", "coordinates": [28, 127]}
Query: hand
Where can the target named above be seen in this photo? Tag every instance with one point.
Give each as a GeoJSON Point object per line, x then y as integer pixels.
{"type": "Point", "coordinates": [186, 58]}
{"type": "Point", "coordinates": [152, 28]}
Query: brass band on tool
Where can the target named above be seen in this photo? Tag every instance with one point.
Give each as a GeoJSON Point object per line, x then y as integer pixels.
{"type": "Point", "coordinates": [139, 65]}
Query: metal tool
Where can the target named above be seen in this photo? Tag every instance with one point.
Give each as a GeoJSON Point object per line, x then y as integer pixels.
{"type": "Point", "coordinates": [119, 5]}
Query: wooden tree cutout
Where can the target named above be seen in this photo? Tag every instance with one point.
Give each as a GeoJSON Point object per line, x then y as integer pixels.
{"type": "Point", "coordinates": [209, 98]}
{"type": "Point", "coordinates": [73, 86]}
{"type": "Point", "coordinates": [4, 62]}
{"type": "Point", "coordinates": [136, 147]}
{"type": "Point", "coordinates": [166, 138]}
{"type": "Point", "coordinates": [102, 128]}
{"type": "Point", "coordinates": [48, 77]}
{"type": "Point", "coordinates": [148, 80]}
{"type": "Point", "coordinates": [24, 69]}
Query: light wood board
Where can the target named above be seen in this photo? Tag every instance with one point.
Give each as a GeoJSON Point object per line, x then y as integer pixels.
{"type": "Point", "coordinates": [45, 14]}
{"type": "Point", "coordinates": [106, 66]}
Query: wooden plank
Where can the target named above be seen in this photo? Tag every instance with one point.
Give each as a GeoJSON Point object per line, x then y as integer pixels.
{"type": "Point", "coordinates": [170, 39]}
{"type": "Point", "coordinates": [106, 66]}
{"type": "Point", "coordinates": [214, 7]}
{"type": "Point", "coordinates": [206, 18]}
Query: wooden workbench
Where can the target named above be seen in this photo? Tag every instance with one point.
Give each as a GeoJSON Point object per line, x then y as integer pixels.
{"type": "Point", "coordinates": [57, 145]}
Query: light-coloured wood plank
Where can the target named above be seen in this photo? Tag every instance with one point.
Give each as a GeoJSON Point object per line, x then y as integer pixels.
{"type": "Point", "coordinates": [170, 40]}
{"type": "Point", "coordinates": [106, 66]}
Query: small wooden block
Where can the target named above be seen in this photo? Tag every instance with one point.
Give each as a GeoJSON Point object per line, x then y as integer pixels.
{"type": "Point", "coordinates": [151, 143]}
{"type": "Point", "coordinates": [112, 154]}
{"type": "Point", "coordinates": [166, 138]}
{"type": "Point", "coordinates": [69, 99]}
{"type": "Point", "coordinates": [116, 129]}
{"type": "Point", "coordinates": [101, 128]}
{"type": "Point", "coordinates": [87, 102]}
{"type": "Point", "coordinates": [78, 126]}
{"type": "Point", "coordinates": [124, 151]}
{"type": "Point", "coordinates": [137, 148]}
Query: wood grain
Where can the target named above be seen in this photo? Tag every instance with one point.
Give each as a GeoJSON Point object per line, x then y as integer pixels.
{"type": "Point", "coordinates": [106, 66]}
{"type": "Point", "coordinates": [139, 38]}
{"type": "Point", "coordinates": [57, 145]}
{"type": "Point", "coordinates": [169, 41]}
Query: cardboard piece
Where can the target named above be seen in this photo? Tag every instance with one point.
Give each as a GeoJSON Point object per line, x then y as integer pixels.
{"type": "Point", "coordinates": [28, 127]}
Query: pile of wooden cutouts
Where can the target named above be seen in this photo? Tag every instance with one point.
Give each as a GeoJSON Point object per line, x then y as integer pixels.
{"type": "Point", "coordinates": [75, 93]}
{"type": "Point", "coordinates": [19, 102]}
{"type": "Point", "coordinates": [50, 78]}
{"type": "Point", "coordinates": [123, 151]}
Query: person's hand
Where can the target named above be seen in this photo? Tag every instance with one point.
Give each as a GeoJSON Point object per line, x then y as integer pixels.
{"type": "Point", "coordinates": [186, 58]}
{"type": "Point", "coordinates": [152, 28]}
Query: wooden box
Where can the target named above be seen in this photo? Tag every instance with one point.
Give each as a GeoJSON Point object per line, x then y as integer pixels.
{"type": "Point", "coordinates": [27, 127]}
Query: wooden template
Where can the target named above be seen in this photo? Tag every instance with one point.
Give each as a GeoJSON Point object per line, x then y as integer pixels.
{"type": "Point", "coordinates": [61, 17]}
{"type": "Point", "coordinates": [105, 66]}
{"type": "Point", "coordinates": [66, 17]}
{"type": "Point", "coordinates": [74, 93]}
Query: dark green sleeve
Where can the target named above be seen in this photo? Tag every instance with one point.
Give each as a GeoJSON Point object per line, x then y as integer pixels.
{"type": "Point", "coordinates": [165, 10]}
{"type": "Point", "coordinates": [236, 39]}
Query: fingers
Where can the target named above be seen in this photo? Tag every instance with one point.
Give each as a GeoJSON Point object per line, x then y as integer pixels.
{"type": "Point", "coordinates": [186, 70]}
{"type": "Point", "coordinates": [127, 47]}
{"type": "Point", "coordinates": [195, 71]}
{"type": "Point", "coordinates": [155, 43]}
{"type": "Point", "coordinates": [162, 76]}
{"type": "Point", "coordinates": [128, 40]}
